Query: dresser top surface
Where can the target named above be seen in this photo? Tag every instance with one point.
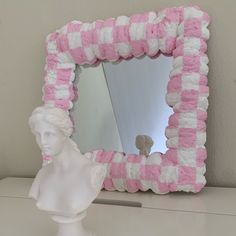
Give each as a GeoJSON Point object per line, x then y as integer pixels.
{"type": "Point", "coordinates": [210, 200]}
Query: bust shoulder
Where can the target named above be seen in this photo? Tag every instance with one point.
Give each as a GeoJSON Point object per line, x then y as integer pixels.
{"type": "Point", "coordinates": [98, 175]}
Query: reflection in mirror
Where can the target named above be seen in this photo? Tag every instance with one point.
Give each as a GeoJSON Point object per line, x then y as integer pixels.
{"type": "Point", "coordinates": [118, 101]}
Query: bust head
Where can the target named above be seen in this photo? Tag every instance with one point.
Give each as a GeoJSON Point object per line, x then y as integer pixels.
{"type": "Point", "coordinates": [52, 127]}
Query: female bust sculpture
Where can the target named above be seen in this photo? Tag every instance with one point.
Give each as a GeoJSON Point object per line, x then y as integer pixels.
{"type": "Point", "coordinates": [69, 184]}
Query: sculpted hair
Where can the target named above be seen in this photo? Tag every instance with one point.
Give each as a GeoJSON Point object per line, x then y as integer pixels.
{"type": "Point", "coordinates": [54, 116]}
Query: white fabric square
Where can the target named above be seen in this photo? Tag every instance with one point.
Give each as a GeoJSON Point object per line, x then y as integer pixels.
{"type": "Point", "coordinates": [52, 47]}
{"type": "Point", "coordinates": [160, 16]}
{"type": "Point", "coordinates": [171, 29]}
{"type": "Point", "coordinates": [62, 94]}
{"type": "Point", "coordinates": [191, 77]}
{"type": "Point", "coordinates": [137, 31]}
{"type": "Point", "coordinates": [187, 122]}
{"type": "Point", "coordinates": [86, 27]}
{"type": "Point", "coordinates": [105, 35]}
{"type": "Point", "coordinates": [89, 53]}
{"type": "Point", "coordinates": [122, 20]}
{"type": "Point", "coordinates": [205, 31]}
{"type": "Point", "coordinates": [172, 142]}
{"type": "Point", "coordinates": [169, 174]}
{"type": "Point", "coordinates": [96, 50]}
{"type": "Point", "coordinates": [187, 157]}
{"type": "Point", "coordinates": [170, 133]}
{"type": "Point", "coordinates": [153, 46]}
{"type": "Point", "coordinates": [189, 85]}
{"type": "Point", "coordinates": [119, 184]}
{"type": "Point", "coordinates": [203, 103]}
{"type": "Point", "coordinates": [74, 40]}
{"type": "Point", "coordinates": [200, 178]}
{"type": "Point", "coordinates": [201, 138]}
{"type": "Point", "coordinates": [64, 57]}
{"type": "Point", "coordinates": [151, 16]}
{"type": "Point", "coordinates": [186, 188]}
{"type": "Point", "coordinates": [118, 158]}
{"type": "Point", "coordinates": [191, 12]}
{"type": "Point", "coordinates": [132, 170]}
{"type": "Point", "coordinates": [172, 98]}
{"type": "Point", "coordinates": [123, 49]}
{"type": "Point", "coordinates": [190, 42]}
{"type": "Point", "coordinates": [154, 158]}
{"type": "Point", "coordinates": [146, 184]}
{"type": "Point", "coordinates": [162, 44]}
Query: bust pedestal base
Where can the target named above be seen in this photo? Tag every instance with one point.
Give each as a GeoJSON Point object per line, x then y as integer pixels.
{"type": "Point", "coordinates": [71, 226]}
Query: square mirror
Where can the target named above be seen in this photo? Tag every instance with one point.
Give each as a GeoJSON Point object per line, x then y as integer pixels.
{"type": "Point", "coordinates": [139, 61]}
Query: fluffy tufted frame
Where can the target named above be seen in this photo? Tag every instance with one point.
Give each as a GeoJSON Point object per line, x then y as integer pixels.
{"type": "Point", "coordinates": [180, 32]}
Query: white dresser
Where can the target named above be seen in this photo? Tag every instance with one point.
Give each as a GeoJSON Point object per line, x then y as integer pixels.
{"type": "Point", "coordinates": [210, 213]}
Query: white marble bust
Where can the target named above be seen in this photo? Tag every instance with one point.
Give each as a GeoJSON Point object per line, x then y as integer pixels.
{"type": "Point", "coordinates": [69, 184]}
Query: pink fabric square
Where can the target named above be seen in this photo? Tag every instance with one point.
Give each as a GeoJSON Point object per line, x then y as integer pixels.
{"type": "Point", "coordinates": [109, 51]}
{"type": "Point", "coordinates": [139, 18]}
{"type": "Point", "coordinates": [160, 30]}
{"type": "Point", "coordinates": [201, 125]}
{"type": "Point", "coordinates": [118, 170]}
{"type": "Point", "coordinates": [203, 90]}
{"type": "Point", "coordinates": [187, 137]}
{"type": "Point", "coordinates": [86, 38]}
{"type": "Point", "coordinates": [189, 95]}
{"type": "Point", "coordinates": [187, 142]}
{"type": "Point", "coordinates": [48, 97]}
{"type": "Point", "coordinates": [137, 47]}
{"type": "Point", "coordinates": [163, 187]}
{"type": "Point", "coordinates": [151, 31]}
{"type": "Point", "coordinates": [172, 155]}
{"type": "Point", "coordinates": [191, 63]}
{"type": "Point", "coordinates": [150, 172]}
{"type": "Point", "coordinates": [198, 187]}
{"type": "Point", "coordinates": [53, 36]}
{"type": "Point", "coordinates": [108, 184]}
{"type": "Point", "coordinates": [47, 158]}
{"type": "Point", "coordinates": [52, 61]}
{"type": "Point", "coordinates": [187, 132]}
{"type": "Point", "coordinates": [121, 34]}
{"type": "Point", "coordinates": [104, 156]}
{"type": "Point", "coordinates": [74, 27]}
{"type": "Point", "coordinates": [170, 45]}
{"type": "Point", "coordinates": [132, 185]}
{"type": "Point", "coordinates": [63, 104]}
{"type": "Point", "coordinates": [173, 187]}
{"type": "Point", "coordinates": [63, 43]}
{"type": "Point", "coordinates": [78, 55]}
{"type": "Point", "coordinates": [201, 157]}
{"type": "Point", "coordinates": [173, 14]}
{"type": "Point", "coordinates": [178, 51]}
{"type": "Point", "coordinates": [192, 27]}
{"type": "Point", "coordinates": [201, 115]}
{"type": "Point", "coordinates": [175, 84]}
{"type": "Point", "coordinates": [49, 88]}
{"type": "Point", "coordinates": [174, 120]}
{"type": "Point", "coordinates": [132, 158]}
{"type": "Point", "coordinates": [109, 22]}
{"type": "Point", "coordinates": [64, 74]}
{"type": "Point", "coordinates": [187, 106]}
{"type": "Point", "coordinates": [187, 175]}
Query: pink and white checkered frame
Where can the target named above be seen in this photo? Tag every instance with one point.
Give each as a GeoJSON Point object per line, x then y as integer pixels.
{"type": "Point", "coordinates": [181, 32]}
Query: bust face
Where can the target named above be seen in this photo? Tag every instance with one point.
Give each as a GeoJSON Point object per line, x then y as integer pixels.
{"type": "Point", "coordinates": [49, 138]}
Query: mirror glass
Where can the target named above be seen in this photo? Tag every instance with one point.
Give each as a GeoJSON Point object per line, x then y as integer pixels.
{"type": "Point", "coordinates": [118, 101]}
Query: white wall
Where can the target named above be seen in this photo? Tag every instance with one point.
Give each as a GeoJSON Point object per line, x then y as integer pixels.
{"type": "Point", "coordinates": [24, 26]}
